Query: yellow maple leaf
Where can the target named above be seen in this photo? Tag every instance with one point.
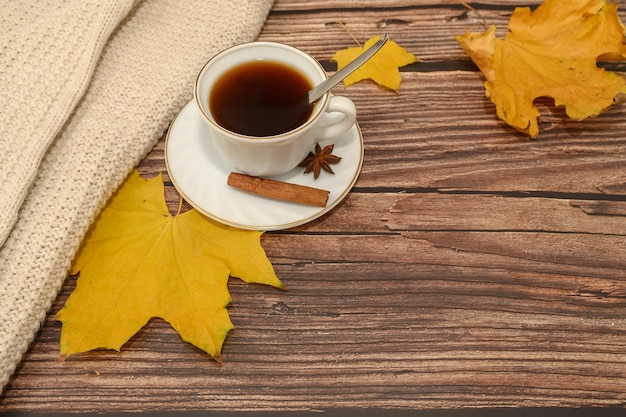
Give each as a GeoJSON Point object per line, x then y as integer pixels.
{"type": "Point", "coordinates": [551, 52]}
{"type": "Point", "coordinates": [140, 262]}
{"type": "Point", "coordinates": [382, 68]}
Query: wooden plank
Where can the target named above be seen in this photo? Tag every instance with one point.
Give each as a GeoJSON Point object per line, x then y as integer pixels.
{"type": "Point", "coordinates": [423, 331]}
{"type": "Point", "coordinates": [576, 254]}
{"type": "Point", "coordinates": [315, 5]}
{"type": "Point", "coordinates": [495, 213]}
{"type": "Point", "coordinates": [444, 134]}
{"type": "Point", "coordinates": [426, 32]}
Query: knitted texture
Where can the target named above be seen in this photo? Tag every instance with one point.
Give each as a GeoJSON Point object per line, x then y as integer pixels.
{"type": "Point", "coordinates": [68, 153]}
{"type": "Point", "coordinates": [46, 62]}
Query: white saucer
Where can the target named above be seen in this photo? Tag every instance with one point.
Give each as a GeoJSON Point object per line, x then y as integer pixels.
{"type": "Point", "coordinates": [200, 177]}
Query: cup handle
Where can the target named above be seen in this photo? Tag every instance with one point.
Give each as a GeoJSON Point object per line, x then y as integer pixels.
{"type": "Point", "coordinates": [339, 117]}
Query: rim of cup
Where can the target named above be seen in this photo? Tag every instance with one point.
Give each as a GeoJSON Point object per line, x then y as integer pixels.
{"type": "Point", "coordinates": [202, 99]}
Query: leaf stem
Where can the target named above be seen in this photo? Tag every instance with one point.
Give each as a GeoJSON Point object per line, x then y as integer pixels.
{"type": "Point", "coordinates": [344, 27]}
{"type": "Point", "coordinates": [469, 7]}
{"type": "Point", "coordinates": [180, 204]}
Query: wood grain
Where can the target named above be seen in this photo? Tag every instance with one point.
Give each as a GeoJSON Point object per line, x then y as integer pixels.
{"type": "Point", "coordinates": [469, 267]}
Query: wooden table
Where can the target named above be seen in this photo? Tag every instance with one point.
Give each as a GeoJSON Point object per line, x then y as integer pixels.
{"type": "Point", "coordinates": [469, 267]}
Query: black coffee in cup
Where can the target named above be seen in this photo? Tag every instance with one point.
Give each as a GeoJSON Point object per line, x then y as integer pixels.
{"type": "Point", "coordinates": [261, 98]}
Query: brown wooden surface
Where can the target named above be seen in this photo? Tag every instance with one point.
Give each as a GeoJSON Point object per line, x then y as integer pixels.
{"type": "Point", "coordinates": [469, 267]}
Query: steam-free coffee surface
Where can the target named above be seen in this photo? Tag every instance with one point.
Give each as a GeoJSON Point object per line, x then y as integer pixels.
{"type": "Point", "coordinates": [261, 98]}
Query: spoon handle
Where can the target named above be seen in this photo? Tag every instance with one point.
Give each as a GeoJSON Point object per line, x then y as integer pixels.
{"type": "Point", "coordinates": [322, 88]}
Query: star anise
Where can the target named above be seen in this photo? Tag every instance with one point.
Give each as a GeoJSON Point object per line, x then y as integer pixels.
{"type": "Point", "coordinates": [321, 159]}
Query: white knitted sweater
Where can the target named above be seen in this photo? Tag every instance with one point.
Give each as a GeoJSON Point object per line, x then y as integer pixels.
{"type": "Point", "coordinates": [87, 87]}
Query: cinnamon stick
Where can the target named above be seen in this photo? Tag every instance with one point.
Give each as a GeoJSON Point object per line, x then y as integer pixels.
{"type": "Point", "coordinates": [279, 190]}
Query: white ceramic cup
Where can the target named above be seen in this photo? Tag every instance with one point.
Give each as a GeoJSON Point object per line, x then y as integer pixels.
{"type": "Point", "coordinates": [272, 155]}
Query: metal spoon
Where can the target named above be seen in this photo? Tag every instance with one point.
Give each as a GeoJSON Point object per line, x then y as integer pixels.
{"type": "Point", "coordinates": [322, 88]}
